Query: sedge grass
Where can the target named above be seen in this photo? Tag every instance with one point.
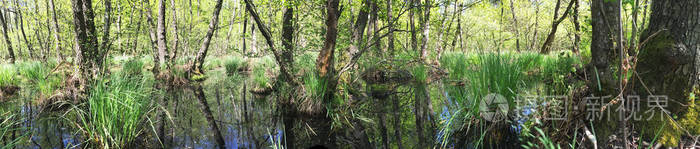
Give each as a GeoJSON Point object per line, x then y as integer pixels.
{"type": "Point", "coordinates": [116, 108]}
{"type": "Point", "coordinates": [8, 75]}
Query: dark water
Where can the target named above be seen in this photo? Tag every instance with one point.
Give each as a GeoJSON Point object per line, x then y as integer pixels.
{"type": "Point", "coordinates": [242, 121]}
{"type": "Point", "coordinates": [185, 123]}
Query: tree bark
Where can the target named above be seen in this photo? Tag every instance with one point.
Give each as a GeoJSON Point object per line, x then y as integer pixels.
{"type": "Point", "coordinates": [285, 68]}
{"type": "Point", "coordinates": [7, 38]}
{"type": "Point", "coordinates": [287, 104]}
{"type": "Point", "coordinates": [358, 29]}
{"type": "Point", "coordinates": [604, 24]}
{"type": "Point", "coordinates": [669, 63]}
{"type": "Point", "coordinates": [87, 53]}
{"type": "Point", "coordinates": [577, 27]}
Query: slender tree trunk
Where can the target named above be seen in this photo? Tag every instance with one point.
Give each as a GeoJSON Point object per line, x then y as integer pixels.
{"type": "Point", "coordinates": [7, 38]}
{"type": "Point", "coordinates": [326, 71]}
{"type": "Point", "coordinates": [161, 34]}
{"type": "Point", "coordinates": [154, 38]}
{"type": "Point", "coordinates": [425, 26]}
{"type": "Point", "coordinates": [414, 39]}
{"type": "Point", "coordinates": [577, 27]}
{"type": "Point", "coordinates": [37, 33]}
{"type": "Point", "coordinates": [546, 46]}
{"type": "Point", "coordinates": [173, 56]}
{"type": "Point", "coordinates": [390, 23]}
{"type": "Point", "coordinates": [57, 31]}
{"type": "Point", "coordinates": [105, 46]}
{"type": "Point", "coordinates": [515, 25]}
{"type": "Point", "coordinates": [199, 59]}
{"type": "Point", "coordinates": [358, 29]}
{"type": "Point", "coordinates": [30, 48]}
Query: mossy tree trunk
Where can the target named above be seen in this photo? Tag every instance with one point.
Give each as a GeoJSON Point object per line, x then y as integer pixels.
{"type": "Point", "coordinates": [87, 53]}
{"type": "Point", "coordinates": [669, 63]}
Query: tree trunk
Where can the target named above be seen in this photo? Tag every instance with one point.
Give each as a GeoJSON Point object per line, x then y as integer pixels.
{"type": "Point", "coordinates": [604, 16]}
{"type": "Point", "coordinates": [87, 53]}
{"type": "Point", "coordinates": [173, 56]}
{"type": "Point", "coordinates": [547, 45]}
{"type": "Point", "coordinates": [425, 26]}
{"type": "Point", "coordinates": [515, 26]}
{"type": "Point", "coordinates": [358, 29]}
{"type": "Point", "coordinates": [7, 38]}
{"type": "Point", "coordinates": [105, 46]}
{"type": "Point", "coordinates": [669, 63]}
{"type": "Point", "coordinates": [199, 59]}
{"type": "Point", "coordinates": [577, 27]}
{"type": "Point", "coordinates": [326, 72]}
{"type": "Point", "coordinates": [153, 37]}
{"type": "Point", "coordinates": [414, 39]}
{"type": "Point", "coordinates": [43, 47]}
{"type": "Point", "coordinates": [30, 48]}
{"type": "Point", "coordinates": [161, 35]}
{"type": "Point", "coordinates": [57, 31]}
{"type": "Point", "coordinates": [287, 104]}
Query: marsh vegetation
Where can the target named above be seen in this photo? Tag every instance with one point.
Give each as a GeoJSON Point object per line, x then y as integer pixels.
{"type": "Point", "coordinates": [350, 74]}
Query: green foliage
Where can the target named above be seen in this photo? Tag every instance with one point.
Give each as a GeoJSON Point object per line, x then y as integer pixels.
{"type": "Point", "coordinates": [543, 141]}
{"type": "Point", "coordinates": [115, 111]}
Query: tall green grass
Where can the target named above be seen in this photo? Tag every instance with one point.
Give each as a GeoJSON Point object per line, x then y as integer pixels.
{"type": "Point", "coordinates": [116, 108]}
{"type": "Point", "coordinates": [40, 76]}
{"type": "Point", "coordinates": [472, 77]}
{"type": "Point", "coordinates": [233, 64]}
{"type": "Point", "coordinates": [8, 75]}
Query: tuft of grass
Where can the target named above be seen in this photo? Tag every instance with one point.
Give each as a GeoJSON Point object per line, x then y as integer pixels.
{"type": "Point", "coordinates": [260, 79]}
{"type": "Point", "coordinates": [40, 77]}
{"type": "Point", "coordinates": [472, 77]}
{"type": "Point", "coordinates": [8, 75]}
{"type": "Point", "coordinates": [115, 110]}
{"type": "Point", "coordinates": [132, 68]}
{"type": "Point", "coordinates": [233, 64]}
